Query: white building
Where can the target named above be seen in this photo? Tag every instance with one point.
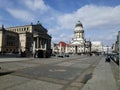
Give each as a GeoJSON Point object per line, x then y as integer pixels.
{"type": "Point", "coordinates": [96, 46]}
{"type": "Point", "coordinates": [107, 49]}
{"type": "Point", "coordinates": [78, 43]}
{"type": "Point", "coordinates": [61, 47]}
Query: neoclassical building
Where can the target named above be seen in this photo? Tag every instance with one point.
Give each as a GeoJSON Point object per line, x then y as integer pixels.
{"type": "Point", "coordinates": [33, 38]}
{"type": "Point", "coordinates": [79, 43]}
{"type": "Point", "coordinates": [9, 41]}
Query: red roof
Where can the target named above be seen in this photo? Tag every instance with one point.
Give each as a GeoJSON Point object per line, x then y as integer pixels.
{"type": "Point", "coordinates": [63, 44]}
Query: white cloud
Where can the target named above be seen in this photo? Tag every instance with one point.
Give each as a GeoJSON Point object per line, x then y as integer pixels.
{"type": "Point", "coordinates": [91, 16]}
{"type": "Point", "coordinates": [52, 31]}
{"type": "Point", "coordinates": [36, 5]}
{"type": "Point", "coordinates": [21, 14]}
{"type": "Point", "coordinates": [62, 37]}
{"type": "Point", "coordinates": [101, 19]}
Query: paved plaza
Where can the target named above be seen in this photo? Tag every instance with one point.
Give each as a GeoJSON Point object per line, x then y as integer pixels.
{"type": "Point", "coordinates": [68, 73]}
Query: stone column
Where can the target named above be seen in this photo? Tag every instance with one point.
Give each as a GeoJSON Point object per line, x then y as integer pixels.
{"type": "Point", "coordinates": [66, 49]}
{"type": "Point", "coordinates": [33, 51]}
{"type": "Point", "coordinates": [60, 47]}
{"type": "Point", "coordinates": [37, 42]}
{"type": "Point", "coordinates": [44, 43]}
{"type": "Point", "coordinates": [53, 49]}
{"type": "Point", "coordinates": [40, 42]}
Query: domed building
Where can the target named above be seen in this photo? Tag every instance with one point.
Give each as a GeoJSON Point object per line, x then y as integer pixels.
{"type": "Point", "coordinates": [79, 43]}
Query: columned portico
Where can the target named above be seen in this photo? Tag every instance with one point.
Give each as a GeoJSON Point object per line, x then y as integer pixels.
{"type": "Point", "coordinates": [76, 49]}
{"type": "Point", "coordinates": [33, 35]}
{"type": "Point", "coordinates": [77, 43]}
{"type": "Point", "coordinates": [40, 43]}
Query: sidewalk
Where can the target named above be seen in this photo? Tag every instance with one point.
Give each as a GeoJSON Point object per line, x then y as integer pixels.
{"type": "Point", "coordinates": [102, 78]}
{"type": "Point", "coordinates": [14, 59]}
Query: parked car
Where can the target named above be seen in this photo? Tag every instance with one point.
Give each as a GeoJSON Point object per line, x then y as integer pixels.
{"type": "Point", "coordinates": [60, 55]}
{"type": "Point", "coordinates": [66, 55]}
{"type": "Point", "coordinates": [117, 59]}
{"type": "Point", "coordinates": [107, 59]}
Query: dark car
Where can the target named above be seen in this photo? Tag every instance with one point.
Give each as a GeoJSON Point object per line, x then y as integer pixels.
{"type": "Point", "coordinates": [107, 59]}
{"type": "Point", "coordinates": [117, 59]}
{"type": "Point", "coordinates": [60, 56]}
{"type": "Point", "coordinates": [66, 55]}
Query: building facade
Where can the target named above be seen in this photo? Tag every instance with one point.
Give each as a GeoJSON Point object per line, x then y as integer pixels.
{"type": "Point", "coordinates": [116, 46]}
{"type": "Point", "coordinates": [9, 41]}
{"type": "Point", "coordinates": [33, 38]}
{"type": "Point", "coordinates": [79, 43]}
{"type": "Point", "coordinates": [60, 48]}
{"type": "Point", "coordinates": [97, 46]}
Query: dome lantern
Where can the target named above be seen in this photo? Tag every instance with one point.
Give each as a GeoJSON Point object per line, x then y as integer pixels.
{"type": "Point", "coordinates": [78, 27]}
{"type": "Point", "coordinates": [79, 24]}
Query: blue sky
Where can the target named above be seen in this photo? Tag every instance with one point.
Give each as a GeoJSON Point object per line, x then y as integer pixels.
{"type": "Point", "coordinates": [100, 18]}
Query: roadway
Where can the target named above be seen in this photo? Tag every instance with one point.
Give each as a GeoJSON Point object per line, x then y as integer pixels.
{"type": "Point", "coordinates": [69, 73]}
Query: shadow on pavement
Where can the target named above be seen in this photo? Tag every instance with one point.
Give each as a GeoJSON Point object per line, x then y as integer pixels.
{"type": "Point", "coordinates": [86, 78]}
{"type": "Point", "coordinates": [6, 73]}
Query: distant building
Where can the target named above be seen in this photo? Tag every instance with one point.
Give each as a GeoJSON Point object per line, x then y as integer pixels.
{"type": "Point", "coordinates": [115, 46]}
{"type": "Point", "coordinates": [61, 47]}
{"type": "Point", "coordinates": [79, 43]}
{"type": "Point", "coordinates": [96, 46]}
{"type": "Point", "coordinates": [9, 41]}
{"type": "Point", "coordinates": [107, 49]}
{"type": "Point", "coordinates": [33, 38]}
{"type": "Point", "coordinates": [116, 50]}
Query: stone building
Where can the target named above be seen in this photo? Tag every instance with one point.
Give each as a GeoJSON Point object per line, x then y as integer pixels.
{"type": "Point", "coordinates": [97, 46]}
{"type": "Point", "coordinates": [33, 38]}
{"type": "Point", "coordinates": [79, 43]}
{"type": "Point", "coordinates": [116, 46]}
{"type": "Point", "coordinates": [9, 41]}
{"type": "Point", "coordinates": [25, 44]}
{"type": "Point", "coordinates": [60, 48]}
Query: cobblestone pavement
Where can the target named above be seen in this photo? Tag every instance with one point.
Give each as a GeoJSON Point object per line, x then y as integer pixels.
{"type": "Point", "coordinates": [69, 73]}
